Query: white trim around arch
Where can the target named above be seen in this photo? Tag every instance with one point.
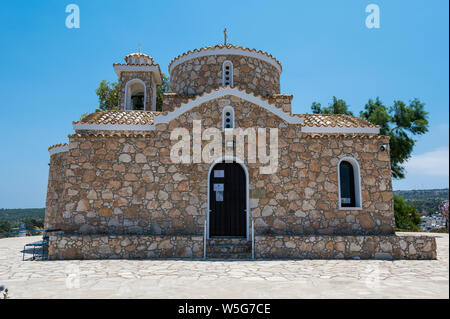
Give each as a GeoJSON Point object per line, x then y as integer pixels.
{"type": "Point", "coordinates": [224, 51]}
{"type": "Point", "coordinates": [357, 177]}
{"type": "Point", "coordinates": [184, 107]}
{"type": "Point", "coordinates": [247, 192]}
{"type": "Point", "coordinates": [126, 102]}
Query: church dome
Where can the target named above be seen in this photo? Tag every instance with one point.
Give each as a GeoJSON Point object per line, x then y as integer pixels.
{"type": "Point", "coordinates": [202, 70]}
{"type": "Point", "coordinates": [139, 58]}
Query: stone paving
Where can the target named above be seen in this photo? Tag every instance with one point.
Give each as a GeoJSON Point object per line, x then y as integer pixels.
{"type": "Point", "coordinates": [223, 279]}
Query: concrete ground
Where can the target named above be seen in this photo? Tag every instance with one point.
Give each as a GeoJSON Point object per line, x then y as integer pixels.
{"type": "Point", "coordinates": [222, 279]}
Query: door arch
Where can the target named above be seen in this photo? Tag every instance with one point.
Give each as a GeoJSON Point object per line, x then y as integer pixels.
{"type": "Point", "coordinates": [231, 216]}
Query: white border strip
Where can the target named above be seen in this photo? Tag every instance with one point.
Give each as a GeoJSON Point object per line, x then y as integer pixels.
{"type": "Point", "coordinates": [137, 68]}
{"type": "Point", "coordinates": [58, 149]}
{"type": "Point", "coordinates": [223, 51]}
{"type": "Point", "coordinates": [227, 91]}
{"type": "Point", "coordinates": [348, 130]}
{"type": "Point", "coordinates": [113, 127]}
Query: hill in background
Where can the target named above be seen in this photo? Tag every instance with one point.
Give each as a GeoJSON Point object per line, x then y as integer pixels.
{"type": "Point", "coordinates": [15, 216]}
{"type": "Point", "coordinates": [426, 200]}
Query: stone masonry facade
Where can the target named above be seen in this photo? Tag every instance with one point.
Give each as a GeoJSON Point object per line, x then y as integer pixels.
{"type": "Point", "coordinates": [147, 78]}
{"type": "Point", "coordinates": [119, 184]}
{"type": "Point", "coordinates": [203, 74]}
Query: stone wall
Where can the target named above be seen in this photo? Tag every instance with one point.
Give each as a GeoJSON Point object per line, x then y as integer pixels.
{"type": "Point", "coordinates": [125, 246]}
{"type": "Point", "coordinates": [55, 190]}
{"type": "Point", "coordinates": [203, 74]}
{"type": "Point", "coordinates": [127, 184]}
{"type": "Point", "coordinates": [346, 247]}
{"type": "Point", "coordinates": [147, 78]}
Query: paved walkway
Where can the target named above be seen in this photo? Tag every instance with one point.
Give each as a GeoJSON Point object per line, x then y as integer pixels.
{"type": "Point", "coordinates": [222, 279]}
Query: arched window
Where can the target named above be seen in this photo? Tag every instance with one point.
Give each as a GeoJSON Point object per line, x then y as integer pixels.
{"type": "Point", "coordinates": [349, 183]}
{"type": "Point", "coordinates": [227, 73]}
{"type": "Point", "coordinates": [228, 117]}
{"type": "Point", "coordinates": [135, 95]}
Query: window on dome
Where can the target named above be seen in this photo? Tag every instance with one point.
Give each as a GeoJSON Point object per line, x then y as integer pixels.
{"type": "Point", "coordinates": [227, 73]}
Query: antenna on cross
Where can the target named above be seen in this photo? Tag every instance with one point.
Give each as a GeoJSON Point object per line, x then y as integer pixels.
{"type": "Point", "coordinates": [139, 48]}
{"type": "Point", "coordinates": [225, 36]}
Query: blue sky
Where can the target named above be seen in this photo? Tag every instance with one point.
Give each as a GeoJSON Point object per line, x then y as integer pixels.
{"type": "Point", "coordinates": [49, 73]}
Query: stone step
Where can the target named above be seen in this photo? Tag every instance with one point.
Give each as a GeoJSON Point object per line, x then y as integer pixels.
{"type": "Point", "coordinates": [229, 248]}
{"type": "Point", "coordinates": [228, 241]}
{"type": "Point", "coordinates": [229, 255]}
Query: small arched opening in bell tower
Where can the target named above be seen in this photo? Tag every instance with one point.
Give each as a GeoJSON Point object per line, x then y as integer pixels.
{"type": "Point", "coordinates": [135, 95]}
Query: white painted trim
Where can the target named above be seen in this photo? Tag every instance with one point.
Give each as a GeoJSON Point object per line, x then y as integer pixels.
{"type": "Point", "coordinates": [126, 107]}
{"type": "Point", "coordinates": [225, 51]}
{"type": "Point", "coordinates": [224, 64]}
{"type": "Point", "coordinates": [138, 68]}
{"type": "Point", "coordinates": [240, 162]}
{"type": "Point", "coordinates": [113, 127]}
{"type": "Point", "coordinates": [357, 176]}
{"type": "Point", "coordinates": [231, 109]}
{"type": "Point", "coordinates": [349, 130]}
{"type": "Point", "coordinates": [58, 149]}
{"type": "Point", "coordinates": [153, 96]}
{"type": "Point", "coordinates": [228, 91]}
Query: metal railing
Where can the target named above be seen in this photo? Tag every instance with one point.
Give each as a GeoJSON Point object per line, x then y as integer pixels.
{"type": "Point", "coordinates": [253, 238]}
{"type": "Point", "coordinates": [204, 241]}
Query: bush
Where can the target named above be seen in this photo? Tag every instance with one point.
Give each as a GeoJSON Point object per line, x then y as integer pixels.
{"type": "Point", "coordinates": [406, 217]}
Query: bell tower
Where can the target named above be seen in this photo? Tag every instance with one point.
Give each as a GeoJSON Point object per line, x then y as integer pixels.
{"type": "Point", "coordinates": [138, 79]}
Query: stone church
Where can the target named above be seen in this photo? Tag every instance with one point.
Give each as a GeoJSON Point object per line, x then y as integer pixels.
{"type": "Point", "coordinates": [115, 190]}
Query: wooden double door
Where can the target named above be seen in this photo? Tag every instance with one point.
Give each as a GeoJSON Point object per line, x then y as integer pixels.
{"type": "Point", "coordinates": [227, 201]}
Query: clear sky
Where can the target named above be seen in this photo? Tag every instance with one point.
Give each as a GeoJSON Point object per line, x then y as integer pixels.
{"type": "Point", "coordinates": [49, 73]}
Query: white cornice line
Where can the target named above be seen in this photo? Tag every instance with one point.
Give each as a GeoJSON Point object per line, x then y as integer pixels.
{"type": "Point", "coordinates": [223, 51]}
{"type": "Point", "coordinates": [347, 130]}
{"type": "Point", "coordinates": [58, 149]}
{"type": "Point", "coordinates": [113, 127]}
{"type": "Point", "coordinates": [138, 68]}
{"type": "Point", "coordinates": [220, 93]}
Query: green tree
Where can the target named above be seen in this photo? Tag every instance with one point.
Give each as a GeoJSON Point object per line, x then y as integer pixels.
{"type": "Point", "coordinates": [108, 94]}
{"type": "Point", "coordinates": [160, 90]}
{"type": "Point", "coordinates": [337, 106]}
{"type": "Point", "coordinates": [5, 226]}
{"type": "Point", "coordinates": [400, 122]}
{"type": "Point", "coordinates": [406, 217]}
{"type": "Point", "coordinates": [32, 223]}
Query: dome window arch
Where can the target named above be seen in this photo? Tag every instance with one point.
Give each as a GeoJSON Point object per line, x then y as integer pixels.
{"type": "Point", "coordinates": [227, 73]}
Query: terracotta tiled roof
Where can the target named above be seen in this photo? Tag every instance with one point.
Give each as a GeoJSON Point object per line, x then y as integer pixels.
{"type": "Point", "coordinates": [334, 120]}
{"type": "Point", "coordinates": [139, 55]}
{"type": "Point", "coordinates": [57, 145]}
{"type": "Point", "coordinates": [119, 117]}
{"type": "Point", "coordinates": [228, 46]}
{"type": "Point", "coordinates": [113, 134]}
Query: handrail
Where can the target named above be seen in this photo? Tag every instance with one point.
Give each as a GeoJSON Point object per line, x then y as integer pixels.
{"type": "Point", "coordinates": [204, 241]}
{"type": "Point", "coordinates": [253, 238]}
